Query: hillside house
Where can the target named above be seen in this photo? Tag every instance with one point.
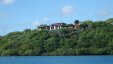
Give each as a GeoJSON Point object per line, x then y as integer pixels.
{"type": "Point", "coordinates": [58, 26]}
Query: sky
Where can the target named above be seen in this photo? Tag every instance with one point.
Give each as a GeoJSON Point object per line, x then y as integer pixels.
{"type": "Point", "coordinates": [18, 15]}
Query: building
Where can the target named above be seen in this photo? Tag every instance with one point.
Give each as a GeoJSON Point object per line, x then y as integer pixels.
{"type": "Point", "coordinates": [43, 27]}
{"type": "Point", "coordinates": [58, 26]}
{"type": "Point", "coordinates": [70, 25]}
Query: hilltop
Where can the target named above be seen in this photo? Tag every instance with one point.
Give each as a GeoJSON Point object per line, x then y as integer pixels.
{"type": "Point", "coordinates": [91, 38]}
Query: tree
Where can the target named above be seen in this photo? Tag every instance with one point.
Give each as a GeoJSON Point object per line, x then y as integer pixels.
{"type": "Point", "coordinates": [110, 20]}
{"type": "Point", "coordinates": [76, 21]}
{"type": "Point", "coordinates": [96, 40]}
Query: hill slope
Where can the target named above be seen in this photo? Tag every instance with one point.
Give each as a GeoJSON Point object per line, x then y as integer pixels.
{"type": "Point", "coordinates": [92, 38]}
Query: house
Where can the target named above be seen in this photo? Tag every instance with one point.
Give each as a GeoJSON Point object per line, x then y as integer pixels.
{"type": "Point", "coordinates": [55, 26]}
{"type": "Point", "coordinates": [76, 26]}
{"type": "Point", "coordinates": [43, 27]}
{"type": "Point", "coordinates": [70, 25]}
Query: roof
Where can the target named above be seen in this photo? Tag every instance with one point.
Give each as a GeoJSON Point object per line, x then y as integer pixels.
{"type": "Point", "coordinates": [43, 25]}
{"type": "Point", "coordinates": [58, 24]}
{"type": "Point", "coordinates": [70, 25]}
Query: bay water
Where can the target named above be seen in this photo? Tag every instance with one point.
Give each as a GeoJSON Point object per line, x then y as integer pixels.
{"type": "Point", "coordinates": [56, 60]}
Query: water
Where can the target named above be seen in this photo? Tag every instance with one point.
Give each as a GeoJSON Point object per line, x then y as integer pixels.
{"type": "Point", "coordinates": [57, 60]}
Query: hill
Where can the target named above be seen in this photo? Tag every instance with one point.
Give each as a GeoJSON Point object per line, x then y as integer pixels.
{"type": "Point", "coordinates": [92, 38]}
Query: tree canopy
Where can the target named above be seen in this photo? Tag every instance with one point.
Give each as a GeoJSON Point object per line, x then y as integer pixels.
{"type": "Point", "coordinates": [92, 38]}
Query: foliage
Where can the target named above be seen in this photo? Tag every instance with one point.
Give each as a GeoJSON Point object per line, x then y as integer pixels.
{"type": "Point", "coordinates": [92, 38]}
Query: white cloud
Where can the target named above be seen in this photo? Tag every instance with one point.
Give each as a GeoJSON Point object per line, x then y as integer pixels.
{"type": "Point", "coordinates": [2, 15]}
{"type": "Point", "coordinates": [42, 21]}
{"type": "Point", "coordinates": [67, 10]}
{"type": "Point", "coordinates": [45, 19]}
{"type": "Point", "coordinates": [4, 27]}
{"type": "Point", "coordinates": [7, 2]}
{"type": "Point", "coordinates": [36, 23]}
{"type": "Point", "coordinates": [105, 13]}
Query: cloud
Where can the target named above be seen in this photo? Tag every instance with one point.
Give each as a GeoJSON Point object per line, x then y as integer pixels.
{"type": "Point", "coordinates": [105, 13]}
{"type": "Point", "coordinates": [67, 10]}
{"type": "Point", "coordinates": [3, 15]}
{"type": "Point", "coordinates": [45, 19]}
{"type": "Point", "coordinates": [4, 27]}
{"type": "Point", "coordinates": [7, 2]}
{"type": "Point", "coordinates": [36, 23]}
{"type": "Point", "coordinates": [39, 22]}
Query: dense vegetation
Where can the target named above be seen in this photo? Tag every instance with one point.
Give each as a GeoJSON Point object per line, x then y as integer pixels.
{"type": "Point", "coordinates": [92, 38]}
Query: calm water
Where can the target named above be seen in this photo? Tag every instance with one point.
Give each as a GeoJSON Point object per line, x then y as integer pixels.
{"type": "Point", "coordinates": [57, 60]}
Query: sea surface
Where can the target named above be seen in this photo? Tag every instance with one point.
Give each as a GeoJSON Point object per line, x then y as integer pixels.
{"type": "Point", "coordinates": [56, 60]}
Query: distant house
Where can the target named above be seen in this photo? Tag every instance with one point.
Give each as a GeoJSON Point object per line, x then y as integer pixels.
{"type": "Point", "coordinates": [76, 26]}
{"type": "Point", "coordinates": [58, 26]}
{"type": "Point", "coordinates": [43, 27]}
{"type": "Point", "coordinates": [70, 25]}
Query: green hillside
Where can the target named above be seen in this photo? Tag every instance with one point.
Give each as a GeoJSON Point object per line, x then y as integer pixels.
{"type": "Point", "coordinates": [92, 38]}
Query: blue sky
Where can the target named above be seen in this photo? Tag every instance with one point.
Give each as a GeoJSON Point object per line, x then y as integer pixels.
{"type": "Point", "coordinates": [17, 15]}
